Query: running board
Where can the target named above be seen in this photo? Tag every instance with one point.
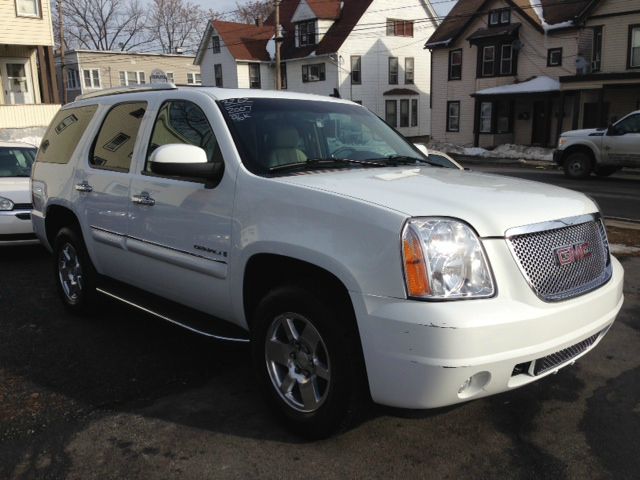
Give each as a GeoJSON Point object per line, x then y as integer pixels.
{"type": "Point", "coordinates": [185, 317]}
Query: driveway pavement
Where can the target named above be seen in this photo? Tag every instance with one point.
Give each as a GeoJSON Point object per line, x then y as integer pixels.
{"type": "Point", "coordinates": [121, 395]}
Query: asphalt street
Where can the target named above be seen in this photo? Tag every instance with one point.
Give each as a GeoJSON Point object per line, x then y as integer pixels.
{"type": "Point", "coordinates": [122, 395]}
{"type": "Point", "coordinates": [617, 195]}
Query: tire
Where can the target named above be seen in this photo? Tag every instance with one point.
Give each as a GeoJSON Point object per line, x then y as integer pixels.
{"type": "Point", "coordinates": [312, 374]}
{"type": "Point", "coordinates": [606, 171]}
{"type": "Point", "coordinates": [577, 165]}
{"type": "Point", "coordinates": [74, 273]}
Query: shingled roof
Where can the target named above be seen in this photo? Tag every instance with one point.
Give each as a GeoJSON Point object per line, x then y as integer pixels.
{"type": "Point", "coordinates": [245, 42]}
{"type": "Point", "coordinates": [542, 14]}
{"type": "Point", "coordinates": [325, 9]}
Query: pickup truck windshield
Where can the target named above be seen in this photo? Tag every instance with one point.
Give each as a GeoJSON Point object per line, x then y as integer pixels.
{"type": "Point", "coordinates": [276, 136]}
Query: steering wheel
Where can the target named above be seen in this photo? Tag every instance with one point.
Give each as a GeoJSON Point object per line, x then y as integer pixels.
{"type": "Point", "coordinates": [347, 152]}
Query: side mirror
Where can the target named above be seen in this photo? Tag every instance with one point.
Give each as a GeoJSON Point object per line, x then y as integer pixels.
{"type": "Point", "coordinates": [183, 160]}
{"type": "Point", "coordinates": [613, 131]}
{"type": "Point", "coordinates": [423, 148]}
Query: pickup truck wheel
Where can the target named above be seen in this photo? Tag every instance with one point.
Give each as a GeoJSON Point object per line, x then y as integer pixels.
{"type": "Point", "coordinates": [606, 171]}
{"type": "Point", "coordinates": [577, 165]}
{"type": "Point", "coordinates": [304, 360]}
{"type": "Point", "coordinates": [75, 275]}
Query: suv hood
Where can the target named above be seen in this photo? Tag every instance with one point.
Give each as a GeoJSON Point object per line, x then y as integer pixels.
{"type": "Point", "coordinates": [489, 203]}
{"type": "Point", "coordinates": [16, 189]}
{"type": "Point", "coordinates": [585, 132]}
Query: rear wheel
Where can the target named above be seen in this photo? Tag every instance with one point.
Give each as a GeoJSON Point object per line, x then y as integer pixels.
{"type": "Point", "coordinates": [307, 361]}
{"type": "Point", "coordinates": [577, 165]}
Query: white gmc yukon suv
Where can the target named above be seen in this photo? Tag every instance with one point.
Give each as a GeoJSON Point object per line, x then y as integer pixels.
{"type": "Point", "coordinates": [305, 224]}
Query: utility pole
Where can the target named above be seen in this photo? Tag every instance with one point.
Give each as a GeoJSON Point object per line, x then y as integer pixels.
{"type": "Point", "coordinates": [63, 73]}
{"type": "Point", "coordinates": [278, 40]}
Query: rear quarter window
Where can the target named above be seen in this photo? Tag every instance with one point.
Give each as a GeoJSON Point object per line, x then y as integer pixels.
{"type": "Point", "coordinates": [64, 133]}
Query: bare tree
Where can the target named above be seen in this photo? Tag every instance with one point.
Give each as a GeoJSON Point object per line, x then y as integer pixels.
{"type": "Point", "coordinates": [106, 24]}
{"type": "Point", "coordinates": [178, 24]}
{"type": "Point", "coordinates": [252, 11]}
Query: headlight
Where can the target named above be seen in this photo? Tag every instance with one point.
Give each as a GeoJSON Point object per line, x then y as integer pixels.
{"type": "Point", "coordinates": [443, 259]}
{"type": "Point", "coordinates": [562, 141]}
{"type": "Point", "coordinates": [5, 204]}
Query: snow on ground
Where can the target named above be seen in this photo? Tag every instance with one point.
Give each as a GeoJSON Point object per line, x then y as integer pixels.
{"type": "Point", "coordinates": [508, 150]}
{"type": "Point", "coordinates": [618, 249]}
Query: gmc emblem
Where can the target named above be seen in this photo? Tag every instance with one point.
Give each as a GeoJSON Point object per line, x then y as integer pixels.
{"type": "Point", "coordinates": [569, 254]}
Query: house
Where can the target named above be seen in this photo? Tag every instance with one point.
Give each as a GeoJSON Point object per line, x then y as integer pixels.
{"type": "Point", "coordinates": [29, 94]}
{"type": "Point", "coordinates": [90, 70]}
{"type": "Point", "coordinates": [368, 51]}
{"type": "Point", "coordinates": [523, 71]}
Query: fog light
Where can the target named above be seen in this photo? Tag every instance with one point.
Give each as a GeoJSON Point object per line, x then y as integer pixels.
{"type": "Point", "coordinates": [474, 385]}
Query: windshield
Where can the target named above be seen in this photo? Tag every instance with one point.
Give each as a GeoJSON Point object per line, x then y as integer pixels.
{"type": "Point", "coordinates": [274, 134]}
{"type": "Point", "coordinates": [16, 161]}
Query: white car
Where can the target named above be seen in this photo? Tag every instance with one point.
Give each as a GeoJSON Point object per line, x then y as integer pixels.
{"type": "Point", "coordinates": [309, 227]}
{"type": "Point", "coordinates": [16, 160]}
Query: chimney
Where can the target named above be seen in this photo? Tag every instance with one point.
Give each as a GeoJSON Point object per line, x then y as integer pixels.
{"type": "Point", "coordinates": [259, 22]}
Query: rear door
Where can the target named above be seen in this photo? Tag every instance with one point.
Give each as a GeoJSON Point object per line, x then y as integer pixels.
{"type": "Point", "coordinates": [621, 144]}
{"type": "Point", "coordinates": [180, 229]}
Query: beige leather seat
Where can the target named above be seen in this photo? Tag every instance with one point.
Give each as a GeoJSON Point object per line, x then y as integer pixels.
{"type": "Point", "coordinates": [284, 147]}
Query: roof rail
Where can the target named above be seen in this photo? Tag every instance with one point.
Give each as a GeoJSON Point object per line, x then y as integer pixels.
{"type": "Point", "coordinates": [129, 89]}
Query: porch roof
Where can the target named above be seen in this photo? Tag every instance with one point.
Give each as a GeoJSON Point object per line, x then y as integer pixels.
{"type": "Point", "coordinates": [540, 84]}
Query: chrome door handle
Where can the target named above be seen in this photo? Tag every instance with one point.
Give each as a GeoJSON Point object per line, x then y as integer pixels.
{"type": "Point", "coordinates": [84, 187]}
{"type": "Point", "coordinates": [143, 199]}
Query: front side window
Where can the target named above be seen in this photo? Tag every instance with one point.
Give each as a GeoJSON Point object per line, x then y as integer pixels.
{"type": "Point", "coordinates": [486, 109]}
{"type": "Point", "coordinates": [391, 112]}
{"type": "Point", "coordinates": [356, 70]}
{"type": "Point", "coordinates": [455, 64]}
{"type": "Point", "coordinates": [488, 60]}
{"type": "Point", "coordinates": [215, 44]}
{"type": "Point", "coordinates": [27, 8]}
{"type": "Point", "coordinates": [181, 121]}
{"type": "Point", "coordinates": [16, 162]}
{"type": "Point", "coordinates": [217, 73]}
{"type": "Point", "coordinates": [554, 57]}
{"type": "Point", "coordinates": [91, 78]}
{"type": "Point", "coordinates": [313, 73]}
{"type": "Point", "coordinates": [399, 28]}
{"type": "Point", "coordinates": [408, 70]}
{"type": "Point", "coordinates": [453, 116]}
{"type": "Point", "coordinates": [634, 46]}
{"type": "Point", "coordinates": [112, 149]}
{"type": "Point", "coordinates": [254, 76]}
{"type": "Point", "coordinates": [630, 124]}
{"type": "Point", "coordinates": [393, 70]}
{"type": "Point", "coordinates": [306, 33]}
{"type": "Point", "coordinates": [64, 133]}
{"type": "Point", "coordinates": [194, 78]}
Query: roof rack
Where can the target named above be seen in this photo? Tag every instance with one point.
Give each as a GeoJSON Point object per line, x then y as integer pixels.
{"type": "Point", "coordinates": [130, 89]}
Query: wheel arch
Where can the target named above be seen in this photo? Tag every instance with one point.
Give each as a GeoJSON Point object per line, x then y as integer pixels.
{"type": "Point", "coordinates": [57, 217]}
{"type": "Point", "coordinates": [582, 148]}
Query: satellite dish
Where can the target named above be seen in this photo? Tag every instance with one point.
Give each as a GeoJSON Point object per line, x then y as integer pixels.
{"type": "Point", "coordinates": [517, 45]}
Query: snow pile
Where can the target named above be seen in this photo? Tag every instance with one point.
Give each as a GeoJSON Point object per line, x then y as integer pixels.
{"type": "Point", "coordinates": [507, 151]}
{"type": "Point", "coordinates": [35, 141]}
{"type": "Point", "coordinates": [537, 84]}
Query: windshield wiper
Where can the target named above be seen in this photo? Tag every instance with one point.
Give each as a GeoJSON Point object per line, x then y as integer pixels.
{"type": "Point", "coordinates": [329, 162]}
{"type": "Point", "coordinates": [396, 160]}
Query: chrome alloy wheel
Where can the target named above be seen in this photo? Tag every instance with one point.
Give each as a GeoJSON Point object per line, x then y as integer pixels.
{"type": "Point", "coordinates": [298, 362]}
{"type": "Point", "coordinates": [70, 273]}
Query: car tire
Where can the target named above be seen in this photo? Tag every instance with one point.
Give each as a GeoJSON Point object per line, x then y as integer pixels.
{"type": "Point", "coordinates": [307, 360]}
{"type": "Point", "coordinates": [606, 171]}
{"type": "Point", "coordinates": [577, 165]}
{"type": "Point", "coordinates": [74, 273]}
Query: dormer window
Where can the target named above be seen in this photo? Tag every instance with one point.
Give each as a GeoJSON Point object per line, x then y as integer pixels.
{"type": "Point", "coordinates": [306, 33]}
{"type": "Point", "coordinates": [498, 17]}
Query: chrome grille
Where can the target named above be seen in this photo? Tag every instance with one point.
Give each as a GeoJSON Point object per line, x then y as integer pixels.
{"type": "Point", "coordinates": [534, 248]}
{"type": "Point", "coordinates": [549, 362]}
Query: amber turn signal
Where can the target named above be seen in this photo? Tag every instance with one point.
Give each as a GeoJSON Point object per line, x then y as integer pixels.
{"type": "Point", "coordinates": [415, 269]}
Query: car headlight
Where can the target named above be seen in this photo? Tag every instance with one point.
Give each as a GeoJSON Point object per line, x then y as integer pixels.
{"type": "Point", "coordinates": [562, 141]}
{"type": "Point", "coordinates": [444, 260]}
{"type": "Point", "coordinates": [5, 204]}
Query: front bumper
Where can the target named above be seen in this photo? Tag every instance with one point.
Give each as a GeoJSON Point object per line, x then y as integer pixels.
{"type": "Point", "coordinates": [16, 228]}
{"type": "Point", "coordinates": [421, 354]}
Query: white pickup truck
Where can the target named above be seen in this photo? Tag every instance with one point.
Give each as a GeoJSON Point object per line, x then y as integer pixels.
{"type": "Point", "coordinates": [357, 268]}
{"type": "Point", "coordinates": [602, 151]}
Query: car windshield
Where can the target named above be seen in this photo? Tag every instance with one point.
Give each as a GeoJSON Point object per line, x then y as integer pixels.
{"type": "Point", "coordinates": [275, 136]}
{"type": "Point", "coordinates": [16, 161]}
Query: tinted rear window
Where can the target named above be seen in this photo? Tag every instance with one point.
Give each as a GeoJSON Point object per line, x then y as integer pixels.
{"type": "Point", "coordinates": [64, 133]}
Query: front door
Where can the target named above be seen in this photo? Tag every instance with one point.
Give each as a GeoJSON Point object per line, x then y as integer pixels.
{"type": "Point", "coordinates": [621, 144]}
{"type": "Point", "coordinates": [17, 85]}
{"type": "Point", "coordinates": [540, 124]}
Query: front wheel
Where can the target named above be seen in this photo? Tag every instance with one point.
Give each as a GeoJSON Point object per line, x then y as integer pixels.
{"type": "Point", "coordinates": [577, 165]}
{"type": "Point", "coordinates": [306, 361]}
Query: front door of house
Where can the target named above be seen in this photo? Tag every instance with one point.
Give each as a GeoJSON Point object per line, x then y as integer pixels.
{"type": "Point", "coordinates": [540, 129]}
{"type": "Point", "coordinates": [16, 81]}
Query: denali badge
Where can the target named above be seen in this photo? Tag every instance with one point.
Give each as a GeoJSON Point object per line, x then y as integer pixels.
{"type": "Point", "coordinates": [572, 253]}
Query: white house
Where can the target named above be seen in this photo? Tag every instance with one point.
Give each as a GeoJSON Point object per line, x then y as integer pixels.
{"type": "Point", "coordinates": [369, 51]}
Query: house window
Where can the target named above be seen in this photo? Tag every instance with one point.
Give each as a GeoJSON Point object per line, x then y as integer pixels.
{"type": "Point", "coordinates": [73, 79]}
{"type": "Point", "coordinates": [414, 112]}
{"type": "Point", "coordinates": [27, 8]}
{"type": "Point", "coordinates": [554, 57]}
{"type": "Point", "coordinates": [306, 33]}
{"type": "Point", "coordinates": [217, 74]}
{"type": "Point", "coordinates": [393, 70]}
{"type": "Point", "coordinates": [634, 46]}
{"type": "Point", "coordinates": [399, 28]}
{"type": "Point", "coordinates": [254, 76]}
{"type": "Point", "coordinates": [596, 55]}
{"type": "Point", "coordinates": [488, 59]}
{"type": "Point", "coordinates": [215, 44]}
{"type": "Point", "coordinates": [91, 78]}
{"type": "Point", "coordinates": [455, 64]}
{"type": "Point", "coordinates": [170, 78]}
{"type": "Point", "coordinates": [506, 59]}
{"type": "Point", "coordinates": [132, 78]}
{"type": "Point", "coordinates": [503, 116]}
{"type": "Point", "coordinates": [453, 116]}
{"type": "Point", "coordinates": [283, 76]}
{"type": "Point", "coordinates": [404, 113]}
{"type": "Point", "coordinates": [356, 70]}
{"type": "Point", "coordinates": [485, 117]}
{"type": "Point", "coordinates": [391, 112]}
{"type": "Point", "coordinates": [408, 70]}
{"type": "Point", "coordinates": [499, 17]}
{"type": "Point", "coordinates": [194, 78]}
{"type": "Point", "coordinates": [313, 73]}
